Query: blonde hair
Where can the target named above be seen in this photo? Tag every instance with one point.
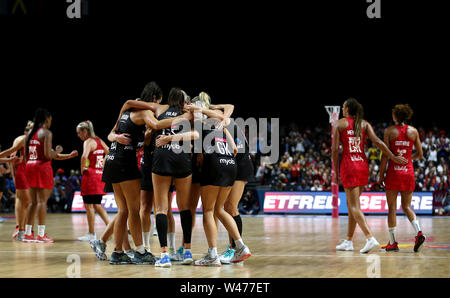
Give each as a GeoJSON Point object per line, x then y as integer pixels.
{"type": "Point", "coordinates": [29, 126]}
{"type": "Point", "coordinates": [87, 125]}
{"type": "Point", "coordinates": [186, 97]}
{"type": "Point", "coordinates": [204, 100]}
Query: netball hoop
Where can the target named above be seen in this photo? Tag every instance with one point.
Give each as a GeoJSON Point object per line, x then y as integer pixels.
{"type": "Point", "coordinates": [333, 112]}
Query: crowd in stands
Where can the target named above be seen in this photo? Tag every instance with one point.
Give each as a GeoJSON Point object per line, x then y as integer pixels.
{"type": "Point", "coordinates": [305, 161]}
{"type": "Point", "coordinates": [64, 186]}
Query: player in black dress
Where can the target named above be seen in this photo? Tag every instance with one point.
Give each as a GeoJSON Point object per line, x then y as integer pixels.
{"type": "Point", "coordinates": [171, 161]}
{"type": "Point", "coordinates": [218, 173]}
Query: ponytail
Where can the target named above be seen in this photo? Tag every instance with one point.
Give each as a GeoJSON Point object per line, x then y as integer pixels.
{"type": "Point", "coordinates": [202, 100]}
{"type": "Point", "coordinates": [356, 110]}
{"type": "Point", "coordinates": [358, 120]}
{"type": "Point", "coordinates": [39, 119]}
{"type": "Point", "coordinates": [88, 126]}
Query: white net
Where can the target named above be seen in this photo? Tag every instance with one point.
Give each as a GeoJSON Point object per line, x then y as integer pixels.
{"type": "Point", "coordinates": [333, 112]}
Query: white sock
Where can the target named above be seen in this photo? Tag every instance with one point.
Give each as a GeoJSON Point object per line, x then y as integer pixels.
{"type": "Point", "coordinates": [146, 238]}
{"type": "Point", "coordinates": [416, 226]}
{"type": "Point", "coordinates": [41, 230]}
{"type": "Point", "coordinates": [392, 235]}
{"type": "Point", "coordinates": [171, 240]}
{"type": "Point", "coordinates": [239, 243]}
{"type": "Point", "coordinates": [28, 229]}
{"type": "Point", "coordinates": [140, 249]}
{"type": "Point", "coordinates": [212, 251]}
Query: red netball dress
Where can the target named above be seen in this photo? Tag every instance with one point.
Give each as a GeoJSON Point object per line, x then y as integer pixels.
{"type": "Point", "coordinates": [20, 177]}
{"type": "Point", "coordinates": [401, 177]}
{"type": "Point", "coordinates": [39, 168]}
{"type": "Point", "coordinates": [354, 169]}
{"type": "Point", "coordinates": [91, 181]}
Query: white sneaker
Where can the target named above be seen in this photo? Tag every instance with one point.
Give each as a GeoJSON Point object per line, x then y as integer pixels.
{"type": "Point", "coordinates": [226, 256]}
{"type": "Point", "coordinates": [130, 253]}
{"type": "Point", "coordinates": [87, 237]}
{"type": "Point", "coordinates": [370, 244]}
{"type": "Point", "coordinates": [346, 245]}
{"type": "Point", "coordinates": [208, 261]}
{"type": "Point", "coordinates": [241, 254]}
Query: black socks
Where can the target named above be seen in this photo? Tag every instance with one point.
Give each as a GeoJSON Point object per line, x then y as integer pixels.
{"type": "Point", "coordinates": [161, 227]}
{"type": "Point", "coordinates": [186, 224]}
{"type": "Point", "coordinates": [238, 221]}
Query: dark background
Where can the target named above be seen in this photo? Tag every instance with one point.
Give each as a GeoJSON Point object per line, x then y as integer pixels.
{"type": "Point", "coordinates": [270, 59]}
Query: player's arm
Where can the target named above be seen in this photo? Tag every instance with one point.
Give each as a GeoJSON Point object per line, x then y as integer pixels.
{"type": "Point", "coordinates": [162, 140]}
{"type": "Point", "coordinates": [119, 138]}
{"type": "Point", "coordinates": [155, 124]}
{"type": "Point", "coordinates": [135, 104]}
{"type": "Point", "coordinates": [49, 153]}
{"type": "Point", "coordinates": [384, 158]}
{"type": "Point", "coordinates": [6, 160]}
{"type": "Point", "coordinates": [227, 109]}
{"type": "Point", "coordinates": [85, 155]}
{"type": "Point", "coordinates": [231, 141]}
{"type": "Point", "coordinates": [138, 105]}
{"type": "Point", "coordinates": [335, 150]}
{"type": "Point", "coordinates": [18, 143]}
{"type": "Point", "coordinates": [418, 144]}
{"type": "Point", "coordinates": [105, 147]}
{"type": "Point", "coordinates": [382, 146]}
{"type": "Point", "coordinates": [208, 112]}
{"type": "Point", "coordinates": [61, 156]}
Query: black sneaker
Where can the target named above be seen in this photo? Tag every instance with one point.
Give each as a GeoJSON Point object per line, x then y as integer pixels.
{"type": "Point", "coordinates": [119, 258]}
{"type": "Point", "coordinates": [143, 259]}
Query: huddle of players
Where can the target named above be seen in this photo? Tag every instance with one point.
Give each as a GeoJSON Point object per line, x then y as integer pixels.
{"type": "Point", "coordinates": [204, 157]}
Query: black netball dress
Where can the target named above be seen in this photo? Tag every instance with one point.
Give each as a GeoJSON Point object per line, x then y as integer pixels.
{"type": "Point", "coordinates": [219, 165]}
{"type": "Point", "coordinates": [245, 170]}
{"type": "Point", "coordinates": [121, 161]}
{"type": "Point", "coordinates": [171, 159]}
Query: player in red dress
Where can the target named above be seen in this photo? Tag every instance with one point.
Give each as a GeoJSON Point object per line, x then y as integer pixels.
{"type": "Point", "coordinates": [20, 180]}
{"type": "Point", "coordinates": [351, 132]}
{"type": "Point", "coordinates": [400, 178]}
{"type": "Point", "coordinates": [39, 154]}
{"type": "Point", "coordinates": [94, 151]}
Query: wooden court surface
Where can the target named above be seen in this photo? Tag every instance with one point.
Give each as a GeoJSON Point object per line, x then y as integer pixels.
{"type": "Point", "coordinates": [295, 246]}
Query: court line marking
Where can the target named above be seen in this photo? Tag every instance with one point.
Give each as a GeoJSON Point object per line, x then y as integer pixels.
{"type": "Point", "coordinates": [253, 255]}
